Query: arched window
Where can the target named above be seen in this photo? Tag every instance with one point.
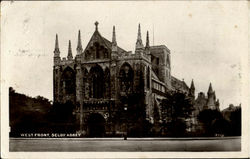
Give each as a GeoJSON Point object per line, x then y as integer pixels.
{"type": "Point", "coordinates": [96, 82]}
{"type": "Point", "coordinates": [68, 78]}
{"type": "Point", "coordinates": [126, 78]}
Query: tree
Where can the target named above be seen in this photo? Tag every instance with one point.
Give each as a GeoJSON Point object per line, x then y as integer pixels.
{"type": "Point", "coordinates": [177, 107]}
{"type": "Point", "coordinates": [221, 126]}
{"type": "Point", "coordinates": [61, 117]}
{"type": "Point", "coordinates": [235, 121]}
{"type": "Point", "coordinates": [27, 114]}
{"type": "Point", "coordinates": [209, 117]}
{"type": "Point", "coordinates": [62, 112]}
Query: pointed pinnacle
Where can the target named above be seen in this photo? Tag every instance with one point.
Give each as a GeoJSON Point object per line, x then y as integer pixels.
{"type": "Point", "coordinates": [139, 44]}
{"type": "Point", "coordinates": [56, 45]}
{"type": "Point", "coordinates": [79, 42]}
{"type": "Point", "coordinates": [192, 84]}
{"type": "Point", "coordinates": [210, 89]}
{"type": "Point", "coordinates": [114, 43]}
{"type": "Point", "coordinates": [114, 37]}
{"type": "Point", "coordinates": [69, 51]}
{"type": "Point", "coordinates": [147, 41]}
{"type": "Point", "coordinates": [139, 31]}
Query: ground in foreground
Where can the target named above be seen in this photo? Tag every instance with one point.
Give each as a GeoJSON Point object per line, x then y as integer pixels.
{"type": "Point", "coordinates": [120, 145]}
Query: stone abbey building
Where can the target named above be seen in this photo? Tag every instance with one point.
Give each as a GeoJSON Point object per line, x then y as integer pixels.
{"type": "Point", "coordinates": [104, 82]}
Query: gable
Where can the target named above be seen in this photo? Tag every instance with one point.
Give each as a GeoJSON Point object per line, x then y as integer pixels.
{"type": "Point", "coordinates": [97, 42]}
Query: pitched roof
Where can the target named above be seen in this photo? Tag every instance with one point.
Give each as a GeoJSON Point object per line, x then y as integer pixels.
{"type": "Point", "coordinates": [178, 84]}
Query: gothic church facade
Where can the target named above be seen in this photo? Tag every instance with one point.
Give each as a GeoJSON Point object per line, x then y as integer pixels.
{"type": "Point", "coordinates": [103, 79]}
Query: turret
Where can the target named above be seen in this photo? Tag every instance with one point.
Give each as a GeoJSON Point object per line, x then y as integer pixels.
{"type": "Point", "coordinates": [70, 56]}
{"type": "Point", "coordinates": [56, 52]}
{"type": "Point", "coordinates": [56, 73]}
{"type": "Point", "coordinates": [79, 44]}
{"type": "Point", "coordinates": [139, 46]}
{"type": "Point", "coordinates": [211, 98]}
{"type": "Point", "coordinates": [113, 66]}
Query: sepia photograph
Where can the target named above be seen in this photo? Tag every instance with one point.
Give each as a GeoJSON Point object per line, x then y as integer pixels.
{"type": "Point", "coordinates": [147, 77]}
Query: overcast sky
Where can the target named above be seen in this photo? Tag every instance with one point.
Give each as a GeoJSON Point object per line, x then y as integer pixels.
{"type": "Point", "coordinates": [206, 39]}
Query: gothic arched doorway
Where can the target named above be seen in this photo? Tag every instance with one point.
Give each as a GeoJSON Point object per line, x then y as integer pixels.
{"type": "Point", "coordinates": [96, 125]}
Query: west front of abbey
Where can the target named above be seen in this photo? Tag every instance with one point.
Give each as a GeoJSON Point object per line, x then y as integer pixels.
{"type": "Point", "coordinates": [105, 83]}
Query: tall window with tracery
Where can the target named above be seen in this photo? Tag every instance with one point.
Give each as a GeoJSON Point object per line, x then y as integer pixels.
{"type": "Point", "coordinates": [68, 78]}
{"type": "Point", "coordinates": [126, 78]}
{"type": "Point", "coordinates": [96, 82]}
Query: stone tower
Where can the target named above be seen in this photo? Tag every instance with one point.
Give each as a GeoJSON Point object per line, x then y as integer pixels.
{"type": "Point", "coordinates": [161, 63]}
